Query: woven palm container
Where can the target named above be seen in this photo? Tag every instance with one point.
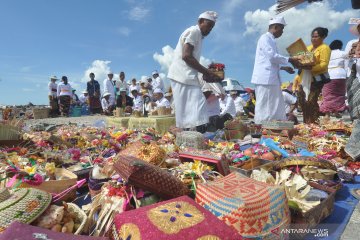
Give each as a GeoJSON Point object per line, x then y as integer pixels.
{"type": "Point", "coordinates": [80, 217]}
{"type": "Point", "coordinates": [255, 209]}
{"type": "Point", "coordinates": [40, 113]}
{"type": "Point", "coordinates": [8, 132]}
{"type": "Point", "coordinates": [296, 47]}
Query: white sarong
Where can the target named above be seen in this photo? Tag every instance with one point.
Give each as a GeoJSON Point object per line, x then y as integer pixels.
{"type": "Point", "coordinates": [270, 104]}
{"type": "Point", "coordinates": [190, 105]}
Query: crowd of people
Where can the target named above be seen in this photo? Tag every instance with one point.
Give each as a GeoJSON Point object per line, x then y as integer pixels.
{"type": "Point", "coordinates": [142, 97]}
{"type": "Point", "coordinates": [199, 101]}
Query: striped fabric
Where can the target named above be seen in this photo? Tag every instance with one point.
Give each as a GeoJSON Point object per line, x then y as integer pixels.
{"type": "Point", "coordinates": [254, 209]}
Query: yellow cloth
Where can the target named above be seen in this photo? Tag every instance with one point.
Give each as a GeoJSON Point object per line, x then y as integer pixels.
{"type": "Point", "coordinates": [296, 83]}
{"type": "Point", "coordinates": [322, 57]}
{"type": "Point", "coordinates": [161, 124]}
{"type": "Point", "coordinates": [118, 121]}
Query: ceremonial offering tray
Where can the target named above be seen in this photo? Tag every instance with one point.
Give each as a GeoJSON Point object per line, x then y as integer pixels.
{"type": "Point", "coordinates": [40, 113]}
{"type": "Point", "coordinates": [217, 160]}
{"type": "Point", "coordinates": [218, 69]}
{"type": "Point", "coordinates": [249, 165]}
{"type": "Point", "coordinates": [190, 139]}
{"type": "Point", "coordinates": [161, 116]}
{"type": "Point", "coordinates": [298, 49]}
{"type": "Point", "coordinates": [303, 161]}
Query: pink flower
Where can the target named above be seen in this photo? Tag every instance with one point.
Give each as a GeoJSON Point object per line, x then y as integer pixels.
{"type": "Point", "coordinates": [37, 179]}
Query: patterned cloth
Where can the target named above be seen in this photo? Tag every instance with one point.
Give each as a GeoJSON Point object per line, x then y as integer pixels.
{"type": "Point", "coordinates": [333, 96]}
{"type": "Point", "coordinates": [177, 219]}
{"type": "Point", "coordinates": [54, 107]}
{"type": "Point", "coordinates": [95, 105]}
{"type": "Point", "coordinates": [310, 108]}
{"type": "Point", "coordinates": [254, 209]}
{"type": "Point", "coordinates": [353, 91]}
{"type": "Point", "coordinates": [64, 104]}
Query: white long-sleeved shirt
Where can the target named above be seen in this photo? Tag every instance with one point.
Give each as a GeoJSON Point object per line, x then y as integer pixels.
{"type": "Point", "coordinates": [83, 99]}
{"type": "Point", "coordinates": [64, 90]}
{"type": "Point", "coordinates": [239, 104]}
{"type": "Point", "coordinates": [52, 89]}
{"type": "Point", "coordinates": [158, 83]}
{"type": "Point", "coordinates": [289, 100]}
{"type": "Point", "coordinates": [227, 106]}
{"type": "Point", "coordinates": [213, 105]}
{"type": "Point", "coordinates": [163, 103]}
{"type": "Point", "coordinates": [105, 104]}
{"type": "Point", "coordinates": [121, 84]}
{"type": "Point", "coordinates": [336, 67]}
{"type": "Point", "coordinates": [109, 87]}
{"type": "Point", "coordinates": [267, 61]}
{"type": "Point", "coordinates": [138, 103]}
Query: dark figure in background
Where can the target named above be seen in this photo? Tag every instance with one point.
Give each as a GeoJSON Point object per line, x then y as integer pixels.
{"type": "Point", "coordinates": [93, 88]}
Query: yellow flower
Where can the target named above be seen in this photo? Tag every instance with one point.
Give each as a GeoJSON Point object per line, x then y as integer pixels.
{"type": "Point", "coordinates": [50, 167]}
{"type": "Point", "coordinates": [211, 143]}
{"type": "Point", "coordinates": [30, 170]}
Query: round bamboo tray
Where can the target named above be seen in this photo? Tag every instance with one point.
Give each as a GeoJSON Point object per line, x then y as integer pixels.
{"type": "Point", "coordinates": [304, 161]}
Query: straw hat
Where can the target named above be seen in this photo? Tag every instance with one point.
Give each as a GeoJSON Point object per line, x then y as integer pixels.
{"type": "Point", "coordinates": [22, 205]}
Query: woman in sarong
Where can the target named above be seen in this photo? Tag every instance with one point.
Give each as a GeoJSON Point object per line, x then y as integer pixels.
{"type": "Point", "coordinates": [93, 88]}
{"type": "Point", "coordinates": [321, 51]}
{"type": "Point", "coordinates": [334, 92]}
{"type": "Point", "coordinates": [64, 93]}
{"type": "Point", "coordinates": [353, 84]}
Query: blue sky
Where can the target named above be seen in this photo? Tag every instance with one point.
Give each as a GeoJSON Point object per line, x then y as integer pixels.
{"type": "Point", "coordinates": [41, 38]}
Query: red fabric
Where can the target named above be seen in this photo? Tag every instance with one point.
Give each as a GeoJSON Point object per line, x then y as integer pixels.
{"type": "Point", "coordinates": [210, 225]}
{"type": "Point", "coordinates": [333, 96]}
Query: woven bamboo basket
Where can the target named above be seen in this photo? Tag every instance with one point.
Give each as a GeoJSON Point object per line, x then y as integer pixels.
{"type": "Point", "coordinates": [161, 111]}
{"type": "Point", "coordinates": [8, 132]}
{"type": "Point", "coordinates": [296, 47]}
{"type": "Point", "coordinates": [58, 186]}
{"type": "Point", "coordinates": [80, 219]}
{"type": "Point", "coordinates": [40, 113]}
{"type": "Point", "coordinates": [303, 161]}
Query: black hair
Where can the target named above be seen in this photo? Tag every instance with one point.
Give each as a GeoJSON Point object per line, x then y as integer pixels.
{"type": "Point", "coordinates": [323, 32]}
{"type": "Point", "coordinates": [64, 78]}
{"type": "Point", "coordinates": [336, 44]}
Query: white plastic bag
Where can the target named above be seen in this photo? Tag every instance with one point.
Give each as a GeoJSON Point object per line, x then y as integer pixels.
{"type": "Point", "coordinates": [306, 82]}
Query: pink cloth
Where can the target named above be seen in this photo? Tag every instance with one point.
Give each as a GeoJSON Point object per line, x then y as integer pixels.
{"type": "Point", "coordinates": [333, 96]}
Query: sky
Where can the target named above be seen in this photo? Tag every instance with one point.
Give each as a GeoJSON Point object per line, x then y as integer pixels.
{"type": "Point", "coordinates": [42, 38]}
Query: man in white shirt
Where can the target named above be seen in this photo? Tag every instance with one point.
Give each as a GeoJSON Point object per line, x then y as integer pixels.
{"type": "Point", "coordinates": [266, 76]}
{"type": "Point", "coordinates": [227, 105]}
{"type": "Point", "coordinates": [121, 83]}
{"type": "Point", "coordinates": [138, 100]}
{"type": "Point", "coordinates": [356, 31]}
{"type": "Point", "coordinates": [109, 87]}
{"type": "Point", "coordinates": [133, 86]}
{"type": "Point", "coordinates": [157, 83]}
{"type": "Point", "coordinates": [161, 101]}
{"type": "Point", "coordinates": [190, 103]}
{"type": "Point", "coordinates": [106, 105]}
{"type": "Point", "coordinates": [290, 104]}
{"type": "Point", "coordinates": [239, 102]}
{"type": "Point", "coordinates": [84, 97]}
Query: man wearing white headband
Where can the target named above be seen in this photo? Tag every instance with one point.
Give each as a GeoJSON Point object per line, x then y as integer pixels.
{"type": "Point", "coordinates": [190, 103]}
{"type": "Point", "coordinates": [270, 104]}
{"type": "Point", "coordinates": [157, 83]}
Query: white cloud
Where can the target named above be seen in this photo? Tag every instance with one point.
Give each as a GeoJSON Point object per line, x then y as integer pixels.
{"type": "Point", "coordinates": [125, 31]}
{"type": "Point", "coordinates": [138, 13]}
{"type": "Point", "coordinates": [313, 15]}
{"type": "Point", "coordinates": [232, 5]}
{"type": "Point", "coordinates": [165, 59]}
{"type": "Point", "coordinates": [100, 68]}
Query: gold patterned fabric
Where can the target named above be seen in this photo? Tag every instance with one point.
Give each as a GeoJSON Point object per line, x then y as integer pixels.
{"type": "Point", "coordinates": [209, 237]}
{"type": "Point", "coordinates": [172, 217]}
{"type": "Point", "coordinates": [129, 231]}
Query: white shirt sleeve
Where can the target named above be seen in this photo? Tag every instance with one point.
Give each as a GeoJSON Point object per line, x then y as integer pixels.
{"type": "Point", "coordinates": [269, 49]}
{"type": "Point", "coordinates": [289, 99]}
{"type": "Point", "coordinates": [58, 90]}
